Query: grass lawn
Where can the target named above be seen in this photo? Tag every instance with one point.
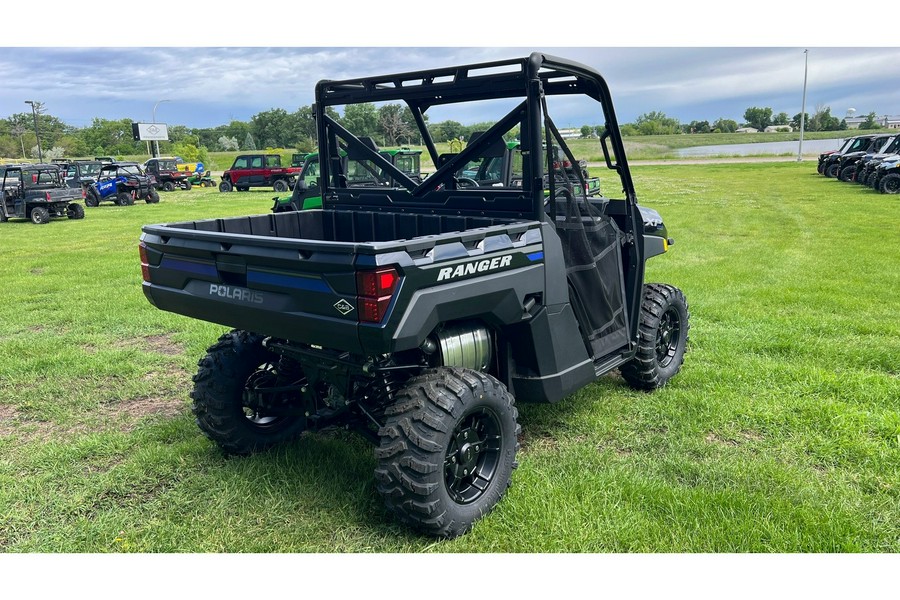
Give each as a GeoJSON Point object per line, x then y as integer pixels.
{"type": "Point", "coordinates": [781, 434]}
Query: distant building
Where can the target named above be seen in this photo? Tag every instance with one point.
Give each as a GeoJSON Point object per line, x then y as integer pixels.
{"type": "Point", "coordinates": [746, 130]}
{"type": "Point", "coordinates": [886, 121]}
{"type": "Point", "coordinates": [772, 128]}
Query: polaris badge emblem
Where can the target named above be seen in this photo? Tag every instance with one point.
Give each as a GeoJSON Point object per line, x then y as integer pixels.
{"type": "Point", "coordinates": [478, 266]}
{"type": "Point", "coordinates": [343, 306]}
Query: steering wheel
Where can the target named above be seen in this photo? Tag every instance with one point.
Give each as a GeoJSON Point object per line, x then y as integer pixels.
{"type": "Point", "coordinates": [466, 182]}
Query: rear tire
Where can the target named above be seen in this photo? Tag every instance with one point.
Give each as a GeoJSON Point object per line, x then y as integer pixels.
{"type": "Point", "coordinates": [124, 199]}
{"type": "Point", "coordinates": [890, 184]}
{"type": "Point", "coordinates": [40, 215]}
{"type": "Point", "coordinates": [152, 197]}
{"type": "Point", "coordinates": [447, 451]}
{"type": "Point", "coordinates": [187, 185]}
{"type": "Point", "coordinates": [168, 186]}
{"type": "Point", "coordinates": [663, 337]}
{"type": "Point", "coordinates": [236, 360]}
{"type": "Point", "coordinates": [75, 211]}
{"type": "Point", "coordinates": [225, 186]}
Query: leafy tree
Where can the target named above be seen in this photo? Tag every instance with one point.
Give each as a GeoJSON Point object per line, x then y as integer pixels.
{"type": "Point", "coordinates": [795, 121]}
{"type": "Point", "coordinates": [758, 118]}
{"type": "Point", "coordinates": [870, 122]}
{"type": "Point", "coordinates": [228, 144]}
{"type": "Point", "coordinates": [697, 127]}
{"type": "Point", "coordinates": [823, 120]}
{"type": "Point", "coordinates": [656, 123]}
{"type": "Point", "coordinates": [725, 126]}
{"type": "Point", "coordinates": [599, 130]}
{"type": "Point", "coordinates": [361, 119]}
{"type": "Point", "coordinates": [780, 119]}
{"type": "Point", "coordinates": [249, 143]}
{"type": "Point", "coordinates": [275, 126]}
{"type": "Point", "coordinates": [446, 130]}
{"type": "Point", "coordinates": [586, 131]}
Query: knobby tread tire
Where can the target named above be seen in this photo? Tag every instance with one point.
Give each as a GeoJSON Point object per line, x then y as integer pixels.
{"type": "Point", "coordinates": [644, 372]}
{"type": "Point", "coordinates": [217, 395]}
{"type": "Point", "coordinates": [415, 439]}
{"type": "Point", "coordinates": [890, 184]}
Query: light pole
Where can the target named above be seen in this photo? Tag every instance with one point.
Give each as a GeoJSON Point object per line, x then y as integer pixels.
{"type": "Point", "coordinates": [36, 134]}
{"type": "Point", "coordinates": [155, 142]}
{"type": "Point", "coordinates": [803, 108]}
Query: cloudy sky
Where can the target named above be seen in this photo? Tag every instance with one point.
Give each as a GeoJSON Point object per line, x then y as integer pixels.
{"type": "Point", "coordinates": [692, 75]}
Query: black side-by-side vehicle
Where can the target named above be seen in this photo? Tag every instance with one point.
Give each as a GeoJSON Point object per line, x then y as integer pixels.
{"type": "Point", "coordinates": [419, 313]}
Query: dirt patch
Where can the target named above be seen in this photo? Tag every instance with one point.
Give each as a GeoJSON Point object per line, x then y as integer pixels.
{"type": "Point", "coordinates": [8, 417]}
{"type": "Point", "coordinates": [744, 436]}
{"type": "Point", "coordinates": [129, 412]}
{"type": "Point", "coordinates": [714, 438]}
{"type": "Point", "coordinates": [161, 344]}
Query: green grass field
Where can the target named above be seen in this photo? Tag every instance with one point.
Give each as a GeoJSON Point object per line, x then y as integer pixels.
{"type": "Point", "coordinates": [781, 434]}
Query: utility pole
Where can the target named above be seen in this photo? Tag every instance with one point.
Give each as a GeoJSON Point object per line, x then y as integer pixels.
{"type": "Point", "coordinates": [156, 143]}
{"type": "Point", "coordinates": [36, 134]}
{"type": "Point", "coordinates": [803, 108]}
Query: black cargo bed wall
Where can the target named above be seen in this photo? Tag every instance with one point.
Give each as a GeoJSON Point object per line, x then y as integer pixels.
{"type": "Point", "coordinates": [342, 225]}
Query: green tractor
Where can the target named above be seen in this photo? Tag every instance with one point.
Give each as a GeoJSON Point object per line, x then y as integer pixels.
{"type": "Point", "coordinates": [306, 193]}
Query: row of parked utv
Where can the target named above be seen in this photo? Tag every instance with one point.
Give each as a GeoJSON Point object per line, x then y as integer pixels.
{"type": "Point", "coordinates": [39, 192]}
{"type": "Point", "coordinates": [871, 159]}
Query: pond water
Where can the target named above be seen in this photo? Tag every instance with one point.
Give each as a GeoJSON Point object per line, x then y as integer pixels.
{"type": "Point", "coordinates": [809, 147]}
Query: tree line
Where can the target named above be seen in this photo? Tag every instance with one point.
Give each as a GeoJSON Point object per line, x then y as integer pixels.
{"type": "Point", "coordinates": [657, 123]}
{"type": "Point", "coordinates": [389, 125]}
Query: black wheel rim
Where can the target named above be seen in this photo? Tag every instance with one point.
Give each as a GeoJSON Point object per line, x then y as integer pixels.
{"type": "Point", "coordinates": [891, 185]}
{"type": "Point", "coordinates": [473, 456]}
{"type": "Point", "coordinates": [667, 337]}
{"type": "Point", "coordinates": [261, 379]}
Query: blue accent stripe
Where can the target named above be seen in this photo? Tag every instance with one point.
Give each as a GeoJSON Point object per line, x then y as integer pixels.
{"type": "Point", "coordinates": [535, 256]}
{"type": "Point", "coordinates": [312, 284]}
{"type": "Point", "coordinates": [189, 266]}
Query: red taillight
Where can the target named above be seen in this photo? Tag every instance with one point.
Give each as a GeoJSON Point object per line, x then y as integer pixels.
{"type": "Point", "coordinates": [375, 290]}
{"type": "Point", "coordinates": [145, 264]}
{"type": "Point", "coordinates": [47, 195]}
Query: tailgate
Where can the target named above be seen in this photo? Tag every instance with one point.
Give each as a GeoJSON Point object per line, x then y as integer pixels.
{"type": "Point", "coordinates": [235, 273]}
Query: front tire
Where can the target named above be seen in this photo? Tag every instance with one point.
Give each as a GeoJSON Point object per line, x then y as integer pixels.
{"type": "Point", "coordinates": [225, 186]}
{"type": "Point", "coordinates": [187, 185]}
{"type": "Point", "coordinates": [890, 184]}
{"type": "Point", "coordinates": [832, 170]}
{"type": "Point", "coordinates": [230, 368]}
{"type": "Point", "coordinates": [847, 174]}
{"type": "Point", "coordinates": [168, 186]}
{"type": "Point", "coordinates": [92, 199]}
{"type": "Point", "coordinates": [663, 337]}
{"type": "Point", "coordinates": [447, 451]}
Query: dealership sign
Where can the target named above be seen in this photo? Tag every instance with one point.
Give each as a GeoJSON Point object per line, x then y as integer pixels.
{"type": "Point", "coordinates": [145, 132]}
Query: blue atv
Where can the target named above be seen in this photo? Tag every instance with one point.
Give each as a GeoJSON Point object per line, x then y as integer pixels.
{"type": "Point", "coordinates": [121, 183]}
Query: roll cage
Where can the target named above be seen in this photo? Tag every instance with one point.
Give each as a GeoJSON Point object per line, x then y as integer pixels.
{"type": "Point", "coordinates": [532, 79]}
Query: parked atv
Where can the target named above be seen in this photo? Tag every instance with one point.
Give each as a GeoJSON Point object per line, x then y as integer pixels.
{"type": "Point", "coordinates": [37, 192]}
{"type": "Point", "coordinates": [121, 183]}
{"type": "Point", "coordinates": [168, 176]}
